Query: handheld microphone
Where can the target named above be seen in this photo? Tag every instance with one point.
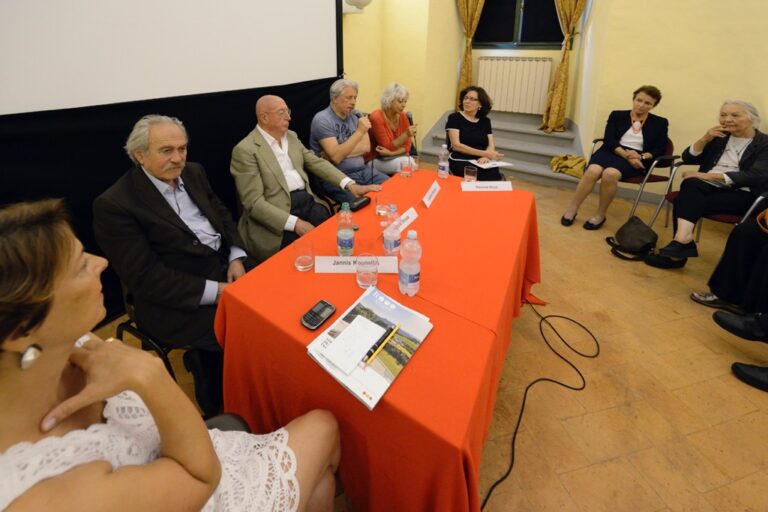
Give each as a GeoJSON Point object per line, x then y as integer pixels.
{"type": "Point", "coordinates": [409, 115]}
{"type": "Point", "coordinates": [355, 112]}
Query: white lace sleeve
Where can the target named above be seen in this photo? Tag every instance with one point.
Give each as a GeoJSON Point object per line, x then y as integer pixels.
{"type": "Point", "coordinates": [258, 472]}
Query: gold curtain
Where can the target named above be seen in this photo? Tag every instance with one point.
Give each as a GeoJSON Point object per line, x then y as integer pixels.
{"type": "Point", "coordinates": [568, 13]}
{"type": "Point", "coordinates": [470, 15]}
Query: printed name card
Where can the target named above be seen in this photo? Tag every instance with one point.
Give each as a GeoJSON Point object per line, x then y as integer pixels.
{"type": "Point", "coordinates": [346, 264]}
{"type": "Point", "coordinates": [486, 186]}
{"type": "Point", "coordinates": [407, 218]}
{"type": "Point", "coordinates": [431, 193]}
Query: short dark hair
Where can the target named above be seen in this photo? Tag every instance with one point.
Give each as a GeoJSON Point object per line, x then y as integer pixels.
{"type": "Point", "coordinates": [36, 243]}
{"type": "Point", "coordinates": [485, 100]}
{"type": "Point", "coordinates": [651, 91]}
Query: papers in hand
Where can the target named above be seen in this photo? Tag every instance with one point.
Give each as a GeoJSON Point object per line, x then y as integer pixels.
{"type": "Point", "coordinates": [343, 348]}
{"type": "Point", "coordinates": [492, 164]}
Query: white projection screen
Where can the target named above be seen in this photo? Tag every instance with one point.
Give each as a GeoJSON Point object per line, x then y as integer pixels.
{"type": "Point", "coordinates": [57, 54]}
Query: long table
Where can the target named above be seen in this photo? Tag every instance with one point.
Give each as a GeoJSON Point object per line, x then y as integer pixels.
{"type": "Point", "coordinates": [420, 448]}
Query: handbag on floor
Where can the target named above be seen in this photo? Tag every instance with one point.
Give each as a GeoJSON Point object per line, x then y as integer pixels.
{"type": "Point", "coordinates": [572, 165]}
{"type": "Point", "coordinates": [633, 240]}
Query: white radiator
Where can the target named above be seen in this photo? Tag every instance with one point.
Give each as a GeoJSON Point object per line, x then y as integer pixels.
{"type": "Point", "coordinates": [516, 84]}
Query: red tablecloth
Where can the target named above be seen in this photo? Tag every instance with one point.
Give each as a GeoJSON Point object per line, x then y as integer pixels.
{"type": "Point", "coordinates": [419, 449]}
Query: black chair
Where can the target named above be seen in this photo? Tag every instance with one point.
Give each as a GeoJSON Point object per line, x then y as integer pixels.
{"type": "Point", "coordinates": [665, 161]}
{"type": "Point", "coordinates": [147, 342]}
{"type": "Point", "coordinates": [726, 218]}
{"type": "Point", "coordinates": [228, 422]}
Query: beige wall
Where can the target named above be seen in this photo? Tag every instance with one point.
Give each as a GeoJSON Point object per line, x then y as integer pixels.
{"type": "Point", "coordinates": [698, 53]}
{"type": "Point", "coordinates": [413, 42]}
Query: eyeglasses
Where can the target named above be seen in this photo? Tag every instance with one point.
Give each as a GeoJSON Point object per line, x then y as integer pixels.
{"type": "Point", "coordinates": [283, 112]}
{"type": "Point", "coordinates": [467, 98]}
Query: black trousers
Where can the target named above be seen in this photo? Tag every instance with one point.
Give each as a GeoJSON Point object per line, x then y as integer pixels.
{"type": "Point", "coordinates": [304, 207]}
{"type": "Point", "coordinates": [741, 276]}
{"type": "Point", "coordinates": [697, 198]}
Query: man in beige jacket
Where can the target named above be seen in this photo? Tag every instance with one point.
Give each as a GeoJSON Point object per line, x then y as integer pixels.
{"type": "Point", "coordinates": [270, 167]}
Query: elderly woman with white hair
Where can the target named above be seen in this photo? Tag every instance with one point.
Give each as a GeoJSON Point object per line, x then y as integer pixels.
{"type": "Point", "coordinates": [391, 131]}
{"type": "Point", "coordinates": [733, 171]}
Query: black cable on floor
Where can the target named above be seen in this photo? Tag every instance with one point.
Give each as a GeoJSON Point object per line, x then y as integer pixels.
{"type": "Point", "coordinates": [545, 320]}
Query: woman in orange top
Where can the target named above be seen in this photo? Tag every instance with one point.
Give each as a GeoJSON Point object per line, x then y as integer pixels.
{"type": "Point", "coordinates": [391, 132]}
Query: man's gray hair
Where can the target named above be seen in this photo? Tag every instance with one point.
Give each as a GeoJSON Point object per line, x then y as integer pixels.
{"type": "Point", "coordinates": [391, 93]}
{"type": "Point", "coordinates": [749, 109]}
{"type": "Point", "coordinates": [341, 84]}
{"type": "Point", "coordinates": [139, 137]}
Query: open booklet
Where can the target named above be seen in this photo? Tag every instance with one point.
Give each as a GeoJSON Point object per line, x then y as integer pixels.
{"type": "Point", "coordinates": [491, 164]}
{"type": "Point", "coordinates": [368, 346]}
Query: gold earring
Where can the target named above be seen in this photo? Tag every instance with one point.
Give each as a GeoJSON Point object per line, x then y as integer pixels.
{"type": "Point", "coordinates": [30, 355]}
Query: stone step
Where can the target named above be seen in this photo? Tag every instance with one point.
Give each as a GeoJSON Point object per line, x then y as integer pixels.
{"type": "Point", "coordinates": [518, 137]}
{"type": "Point", "coordinates": [505, 138]}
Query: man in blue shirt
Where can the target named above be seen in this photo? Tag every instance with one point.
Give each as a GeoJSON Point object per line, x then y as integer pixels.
{"type": "Point", "coordinates": [338, 134]}
{"type": "Point", "coordinates": [174, 246]}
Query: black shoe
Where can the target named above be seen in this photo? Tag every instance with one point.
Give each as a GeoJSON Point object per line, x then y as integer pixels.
{"type": "Point", "coordinates": [592, 227]}
{"type": "Point", "coordinates": [567, 222]}
{"type": "Point", "coordinates": [749, 327]}
{"type": "Point", "coordinates": [713, 301]}
{"type": "Point", "coordinates": [755, 376]}
{"type": "Point", "coordinates": [675, 249]}
{"type": "Point", "coordinates": [657, 260]}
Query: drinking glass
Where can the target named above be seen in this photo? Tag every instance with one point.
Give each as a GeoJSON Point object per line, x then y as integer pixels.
{"type": "Point", "coordinates": [303, 254]}
{"type": "Point", "coordinates": [382, 204]}
{"type": "Point", "coordinates": [406, 171]}
{"type": "Point", "coordinates": [367, 270]}
{"type": "Point", "coordinates": [470, 173]}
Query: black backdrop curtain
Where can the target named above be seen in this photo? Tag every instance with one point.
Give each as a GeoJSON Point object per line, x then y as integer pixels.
{"type": "Point", "coordinates": [77, 153]}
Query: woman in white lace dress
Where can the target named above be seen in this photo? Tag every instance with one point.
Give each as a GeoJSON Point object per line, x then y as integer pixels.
{"type": "Point", "coordinates": [102, 426]}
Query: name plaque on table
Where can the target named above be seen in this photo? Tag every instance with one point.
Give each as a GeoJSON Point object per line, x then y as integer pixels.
{"type": "Point", "coordinates": [346, 264]}
{"type": "Point", "coordinates": [407, 218]}
{"type": "Point", "coordinates": [431, 193]}
{"type": "Point", "coordinates": [486, 186]}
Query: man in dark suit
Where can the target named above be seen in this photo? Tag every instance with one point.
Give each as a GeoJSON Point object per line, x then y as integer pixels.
{"type": "Point", "coordinates": [174, 246]}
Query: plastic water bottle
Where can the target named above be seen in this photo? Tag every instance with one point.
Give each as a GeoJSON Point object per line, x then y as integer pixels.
{"type": "Point", "coordinates": [442, 162]}
{"type": "Point", "coordinates": [410, 268]}
{"type": "Point", "coordinates": [392, 232]}
{"type": "Point", "coordinates": [345, 236]}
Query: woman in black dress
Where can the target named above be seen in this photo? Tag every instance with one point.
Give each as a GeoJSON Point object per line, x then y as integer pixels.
{"type": "Point", "coordinates": [632, 139]}
{"type": "Point", "coordinates": [470, 136]}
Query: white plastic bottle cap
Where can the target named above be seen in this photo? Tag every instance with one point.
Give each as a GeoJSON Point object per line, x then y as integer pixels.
{"type": "Point", "coordinates": [412, 234]}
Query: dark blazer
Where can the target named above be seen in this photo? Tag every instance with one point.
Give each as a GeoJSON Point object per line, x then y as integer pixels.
{"type": "Point", "coordinates": [654, 132]}
{"type": "Point", "coordinates": [158, 258]}
{"type": "Point", "coordinates": [753, 164]}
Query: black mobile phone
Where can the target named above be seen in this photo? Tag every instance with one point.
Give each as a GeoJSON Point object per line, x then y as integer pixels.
{"type": "Point", "coordinates": [319, 313]}
{"type": "Point", "coordinates": [359, 203]}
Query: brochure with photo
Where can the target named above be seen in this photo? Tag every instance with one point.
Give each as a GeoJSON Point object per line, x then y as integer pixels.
{"type": "Point", "coordinates": [370, 344]}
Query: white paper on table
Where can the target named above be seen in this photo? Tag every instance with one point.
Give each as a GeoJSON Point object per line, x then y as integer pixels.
{"type": "Point", "coordinates": [486, 186]}
{"type": "Point", "coordinates": [346, 264]}
{"type": "Point", "coordinates": [347, 350]}
{"type": "Point", "coordinates": [431, 193]}
{"type": "Point", "coordinates": [492, 164]}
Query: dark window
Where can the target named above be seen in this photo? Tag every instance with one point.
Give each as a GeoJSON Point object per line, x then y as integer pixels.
{"type": "Point", "coordinates": [510, 23]}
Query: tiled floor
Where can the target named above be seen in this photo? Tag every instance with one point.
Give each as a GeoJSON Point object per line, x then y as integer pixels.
{"type": "Point", "coordinates": [662, 424]}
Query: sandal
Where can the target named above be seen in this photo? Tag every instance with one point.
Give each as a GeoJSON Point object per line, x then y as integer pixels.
{"type": "Point", "coordinates": [713, 301]}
